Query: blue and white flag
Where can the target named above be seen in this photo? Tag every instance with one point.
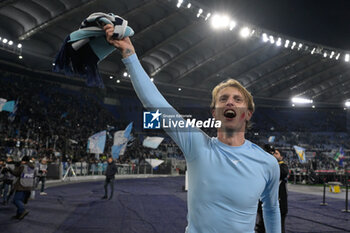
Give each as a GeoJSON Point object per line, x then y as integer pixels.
{"type": "Point", "coordinates": [7, 106]}
{"type": "Point", "coordinates": [121, 139]}
{"type": "Point", "coordinates": [271, 139]}
{"type": "Point", "coordinates": [152, 142]}
{"type": "Point", "coordinates": [301, 153]}
{"type": "Point", "coordinates": [97, 142]}
{"type": "Point", "coordinates": [12, 114]}
{"type": "Point", "coordinates": [154, 162]}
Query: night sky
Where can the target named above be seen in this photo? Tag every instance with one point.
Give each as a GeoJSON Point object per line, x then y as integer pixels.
{"type": "Point", "coordinates": [323, 22]}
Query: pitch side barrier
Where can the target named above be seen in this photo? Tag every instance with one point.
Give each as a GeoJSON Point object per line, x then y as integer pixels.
{"type": "Point", "coordinates": [305, 176]}
{"type": "Point", "coordinates": [59, 171]}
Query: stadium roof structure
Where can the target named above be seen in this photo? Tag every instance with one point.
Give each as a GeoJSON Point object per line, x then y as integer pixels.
{"type": "Point", "coordinates": [179, 50]}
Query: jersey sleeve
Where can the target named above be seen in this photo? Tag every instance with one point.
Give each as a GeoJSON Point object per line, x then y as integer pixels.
{"type": "Point", "coordinates": [153, 100]}
{"type": "Point", "coordinates": [271, 210]}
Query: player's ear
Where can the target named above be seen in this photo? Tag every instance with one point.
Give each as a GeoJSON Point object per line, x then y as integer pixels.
{"type": "Point", "coordinates": [249, 115]}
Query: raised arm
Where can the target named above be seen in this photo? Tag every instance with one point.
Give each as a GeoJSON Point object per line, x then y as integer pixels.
{"type": "Point", "coordinates": [151, 98]}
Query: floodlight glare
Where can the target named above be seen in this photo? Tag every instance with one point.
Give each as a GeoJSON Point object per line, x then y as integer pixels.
{"type": "Point", "coordinates": [347, 57]}
{"type": "Point", "coordinates": [208, 15]}
{"type": "Point", "coordinates": [200, 11]}
{"type": "Point", "coordinates": [337, 57]}
{"type": "Point", "coordinates": [272, 40]}
{"type": "Point", "coordinates": [10, 42]}
{"type": "Point", "coordinates": [179, 89]}
{"type": "Point", "coordinates": [299, 100]}
{"type": "Point", "coordinates": [220, 21]}
{"type": "Point", "coordinates": [4, 41]}
{"type": "Point", "coordinates": [265, 38]}
{"type": "Point", "coordinates": [245, 32]}
{"type": "Point", "coordinates": [232, 25]}
{"type": "Point", "coordinates": [286, 44]}
{"type": "Point", "coordinates": [300, 45]}
{"type": "Point", "coordinates": [152, 79]}
{"type": "Point", "coordinates": [189, 5]}
{"type": "Point", "coordinates": [179, 3]}
{"type": "Point", "coordinates": [347, 103]}
{"type": "Point", "coordinates": [278, 43]}
{"type": "Point", "coordinates": [293, 45]}
{"type": "Point", "coordinates": [19, 46]}
{"type": "Point", "coordinates": [111, 77]}
{"type": "Point", "coordinates": [118, 81]}
{"type": "Point", "coordinates": [313, 51]}
{"type": "Point", "coordinates": [332, 54]}
{"type": "Point", "coordinates": [325, 54]}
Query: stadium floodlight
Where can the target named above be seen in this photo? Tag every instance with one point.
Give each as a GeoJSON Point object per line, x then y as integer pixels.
{"type": "Point", "coordinates": [232, 25]}
{"type": "Point", "coordinates": [325, 54]}
{"type": "Point", "coordinates": [347, 103]}
{"type": "Point", "coordinates": [300, 100]}
{"type": "Point", "coordinates": [200, 11]}
{"type": "Point", "coordinates": [313, 106]}
{"type": "Point", "coordinates": [208, 15]}
{"type": "Point", "coordinates": [245, 32]}
{"type": "Point", "coordinates": [293, 45]}
{"type": "Point", "coordinates": [10, 42]}
{"type": "Point", "coordinates": [152, 79]}
{"type": "Point", "coordinates": [313, 50]}
{"type": "Point", "coordinates": [265, 38]}
{"type": "Point", "coordinates": [279, 42]}
{"type": "Point", "coordinates": [19, 46]}
{"type": "Point", "coordinates": [220, 21]}
{"type": "Point", "coordinates": [179, 89]}
{"type": "Point", "coordinates": [4, 41]}
{"type": "Point", "coordinates": [189, 5]}
{"type": "Point", "coordinates": [118, 81]}
{"type": "Point", "coordinates": [272, 40]}
{"type": "Point", "coordinates": [332, 54]}
{"type": "Point", "coordinates": [111, 77]}
{"type": "Point", "coordinates": [125, 74]}
{"type": "Point", "coordinates": [300, 46]}
{"type": "Point", "coordinates": [286, 44]}
{"type": "Point", "coordinates": [20, 57]}
{"type": "Point", "coordinates": [337, 57]}
{"type": "Point", "coordinates": [179, 3]}
{"type": "Point", "coordinates": [347, 57]}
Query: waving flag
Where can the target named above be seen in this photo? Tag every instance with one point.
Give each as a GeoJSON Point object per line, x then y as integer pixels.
{"type": "Point", "coordinates": [301, 153]}
{"type": "Point", "coordinates": [7, 106]}
{"type": "Point", "coordinates": [339, 156]}
{"type": "Point", "coordinates": [154, 162]}
{"type": "Point", "coordinates": [271, 139]}
{"type": "Point", "coordinates": [12, 114]}
{"type": "Point", "coordinates": [96, 143]}
{"type": "Point", "coordinates": [152, 142]}
{"type": "Point", "coordinates": [121, 139]}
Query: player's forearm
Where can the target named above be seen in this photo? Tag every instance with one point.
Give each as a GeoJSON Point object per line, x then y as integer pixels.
{"type": "Point", "coordinates": [145, 89]}
{"type": "Point", "coordinates": [272, 219]}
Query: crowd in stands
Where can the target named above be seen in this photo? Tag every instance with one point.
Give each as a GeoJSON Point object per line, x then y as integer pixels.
{"type": "Point", "coordinates": [55, 123]}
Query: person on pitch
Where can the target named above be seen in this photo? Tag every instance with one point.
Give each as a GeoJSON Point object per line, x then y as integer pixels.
{"type": "Point", "coordinates": [227, 174]}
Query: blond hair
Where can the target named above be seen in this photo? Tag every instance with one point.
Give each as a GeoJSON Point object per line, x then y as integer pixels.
{"type": "Point", "coordinates": [248, 98]}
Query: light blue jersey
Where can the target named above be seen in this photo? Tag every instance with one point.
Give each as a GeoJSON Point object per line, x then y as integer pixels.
{"type": "Point", "coordinates": [225, 182]}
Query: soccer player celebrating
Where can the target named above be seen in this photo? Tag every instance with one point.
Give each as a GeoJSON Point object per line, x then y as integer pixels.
{"type": "Point", "coordinates": [227, 174]}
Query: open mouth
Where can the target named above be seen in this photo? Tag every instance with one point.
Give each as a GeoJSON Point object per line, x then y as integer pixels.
{"type": "Point", "coordinates": [230, 113]}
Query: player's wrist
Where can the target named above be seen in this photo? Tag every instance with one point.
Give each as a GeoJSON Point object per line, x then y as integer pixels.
{"type": "Point", "coordinates": [128, 52]}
